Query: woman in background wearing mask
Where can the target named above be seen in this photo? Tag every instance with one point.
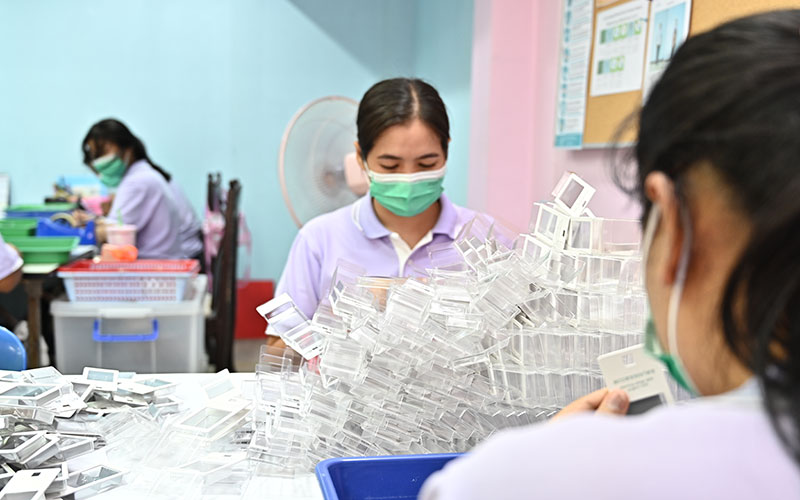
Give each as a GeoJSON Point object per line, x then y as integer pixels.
{"type": "Point", "coordinates": [403, 134]}
{"type": "Point", "coordinates": [718, 175]}
{"type": "Point", "coordinates": [146, 195]}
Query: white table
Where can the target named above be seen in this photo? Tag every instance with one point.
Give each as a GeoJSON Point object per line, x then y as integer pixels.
{"type": "Point", "coordinates": [300, 487]}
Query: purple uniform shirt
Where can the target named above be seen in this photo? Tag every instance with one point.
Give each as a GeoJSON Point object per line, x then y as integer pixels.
{"type": "Point", "coordinates": [354, 234]}
{"type": "Point", "coordinates": [722, 447]}
{"type": "Point", "coordinates": [145, 200]}
{"type": "Point", "coordinates": [10, 261]}
{"type": "Point", "coordinates": [190, 236]}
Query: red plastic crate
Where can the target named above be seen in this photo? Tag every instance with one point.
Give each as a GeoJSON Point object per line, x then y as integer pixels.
{"type": "Point", "coordinates": [249, 295]}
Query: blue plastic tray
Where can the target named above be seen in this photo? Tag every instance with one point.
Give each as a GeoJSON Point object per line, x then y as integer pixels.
{"type": "Point", "coordinates": [374, 478]}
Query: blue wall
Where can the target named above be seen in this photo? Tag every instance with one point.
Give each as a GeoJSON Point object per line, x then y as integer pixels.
{"type": "Point", "coordinates": [443, 56]}
{"type": "Point", "coordinates": [210, 85]}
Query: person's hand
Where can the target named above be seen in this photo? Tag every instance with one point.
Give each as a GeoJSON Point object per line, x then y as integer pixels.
{"type": "Point", "coordinates": [613, 402]}
{"type": "Point", "coordinates": [105, 206]}
{"type": "Point", "coordinates": [276, 343]}
{"type": "Point", "coordinates": [82, 217]}
{"type": "Point", "coordinates": [277, 347]}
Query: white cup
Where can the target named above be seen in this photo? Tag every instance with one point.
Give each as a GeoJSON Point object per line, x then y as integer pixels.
{"type": "Point", "coordinates": [121, 235]}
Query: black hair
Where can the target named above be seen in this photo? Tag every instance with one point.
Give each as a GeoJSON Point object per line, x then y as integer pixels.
{"type": "Point", "coordinates": [731, 98]}
{"type": "Point", "coordinates": [397, 101]}
{"type": "Point", "coordinates": [115, 132]}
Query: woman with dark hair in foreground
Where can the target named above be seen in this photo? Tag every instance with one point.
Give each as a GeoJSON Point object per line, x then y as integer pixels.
{"type": "Point", "coordinates": [718, 175]}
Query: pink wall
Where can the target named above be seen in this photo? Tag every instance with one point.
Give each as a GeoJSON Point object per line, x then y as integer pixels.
{"type": "Point", "coordinates": [513, 162]}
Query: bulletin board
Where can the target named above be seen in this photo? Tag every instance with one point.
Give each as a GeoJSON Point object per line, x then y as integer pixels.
{"type": "Point", "coordinates": [604, 114]}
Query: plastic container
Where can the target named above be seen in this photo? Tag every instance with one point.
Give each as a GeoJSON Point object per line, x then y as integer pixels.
{"type": "Point", "coordinates": [360, 478]}
{"type": "Point", "coordinates": [154, 338]}
{"type": "Point", "coordinates": [46, 210]}
{"type": "Point", "coordinates": [10, 228]}
{"type": "Point", "coordinates": [47, 227]}
{"type": "Point", "coordinates": [119, 253]}
{"type": "Point", "coordinates": [139, 281]}
{"type": "Point", "coordinates": [48, 250]}
{"type": "Point", "coordinates": [124, 234]}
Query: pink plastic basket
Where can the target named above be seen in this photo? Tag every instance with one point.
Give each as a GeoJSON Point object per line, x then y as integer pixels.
{"type": "Point", "coordinates": [139, 281]}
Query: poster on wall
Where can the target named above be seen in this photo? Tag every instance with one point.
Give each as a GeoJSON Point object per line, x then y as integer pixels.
{"type": "Point", "coordinates": [573, 72]}
{"type": "Point", "coordinates": [619, 46]}
{"type": "Point", "coordinates": [669, 27]}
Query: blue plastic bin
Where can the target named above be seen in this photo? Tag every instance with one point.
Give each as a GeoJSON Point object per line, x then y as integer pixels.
{"type": "Point", "coordinates": [47, 227]}
{"type": "Point", "coordinates": [374, 478]}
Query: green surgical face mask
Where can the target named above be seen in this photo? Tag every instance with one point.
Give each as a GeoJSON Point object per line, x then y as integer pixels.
{"type": "Point", "coordinates": [652, 344]}
{"type": "Point", "coordinates": [406, 195]}
{"type": "Point", "coordinates": [111, 169]}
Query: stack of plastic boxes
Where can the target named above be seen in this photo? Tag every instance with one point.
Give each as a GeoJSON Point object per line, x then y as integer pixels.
{"type": "Point", "coordinates": [504, 331]}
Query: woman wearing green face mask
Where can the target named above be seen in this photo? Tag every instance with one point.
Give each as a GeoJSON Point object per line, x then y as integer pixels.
{"type": "Point", "coordinates": [717, 170]}
{"type": "Point", "coordinates": [403, 137]}
{"type": "Point", "coordinates": [145, 195]}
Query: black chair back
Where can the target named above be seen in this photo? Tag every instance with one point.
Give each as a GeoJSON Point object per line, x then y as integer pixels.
{"type": "Point", "coordinates": [221, 326]}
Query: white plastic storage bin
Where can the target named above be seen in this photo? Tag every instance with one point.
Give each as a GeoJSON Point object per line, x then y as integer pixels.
{"type": "Point", "coordinates": [141, 337]}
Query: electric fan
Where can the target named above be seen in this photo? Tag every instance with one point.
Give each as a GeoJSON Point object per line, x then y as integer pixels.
{"type": "Point", "coordinates": [317, 163]}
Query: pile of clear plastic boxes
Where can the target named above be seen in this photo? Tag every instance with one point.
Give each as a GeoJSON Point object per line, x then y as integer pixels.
{"type": "Point", "coordinates": [75, 437]}
{"type": "Point", "coordinates": [44, 442]}
{"type": "Point", "coordinates": [504, 330]}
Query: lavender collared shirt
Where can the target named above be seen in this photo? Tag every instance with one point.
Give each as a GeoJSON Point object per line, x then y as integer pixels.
{"type": "Point", "coordinates": [145, 200]}
{"type": "Point", "coordinates": [354, 234]}
{"type": "Point", "coordinates": [190, 226]}
{"type": "Point", "coordinates": [10, 261]}
{"type": "Point", "coordinates": [718, 447]}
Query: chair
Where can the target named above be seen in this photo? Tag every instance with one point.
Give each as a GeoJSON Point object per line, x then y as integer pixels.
{"type": "Point", "coordinates": [221, 324]}
{"type": "Point", "coordinates": [214, 199]}
{"type": "Point", "coordinates": [12, 352]}
{"type": "Point", "coordinates": [213, 216]}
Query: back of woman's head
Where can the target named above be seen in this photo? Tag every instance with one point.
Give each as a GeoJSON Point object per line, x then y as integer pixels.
{"type": "Point", "coordinates": [111, 131]}
{"type": "Point", "coordinates": [398, 101]}
{"type": "Point", "coordinates": [731, 98]}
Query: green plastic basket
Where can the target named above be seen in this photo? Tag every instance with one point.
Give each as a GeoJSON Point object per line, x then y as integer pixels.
{"type": "Point", "coordinates": [42, 210]}
{"type": "Point", "coordinates": [45, 250]}
{"type": "Point", "coordinates": [11, 228]}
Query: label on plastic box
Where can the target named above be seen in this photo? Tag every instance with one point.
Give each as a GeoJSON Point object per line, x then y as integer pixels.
{"type": "Point", "coordinates": [639, 374]}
